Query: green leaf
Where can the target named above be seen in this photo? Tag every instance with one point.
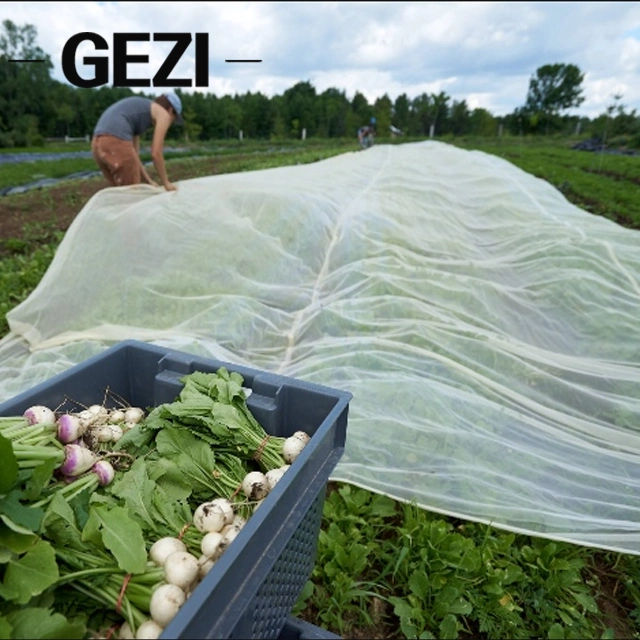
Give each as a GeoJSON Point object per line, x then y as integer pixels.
{"type": "Point", "coordinates": [6, 630]}
{"type": "Point", "coordinates": [419, 584]}
{"type": "Point", "coordinates": [556, 632]}
{"type": "Point", "coordinates": [14, 541]}
{"type": "Point", "coordinates": [19, 514]}
{"type": "Point", "coordinates": [40, 478]}
{"type": "Point", "coordinates": [61, 526]}
{"type": "Point", "coordinates": [9, 466]}
{"type": "Point", "coordinates": [123, 537]}
{"type": "Point", "coordinates": [42, 623]}
{"type": "Point", "coordinates": [136, 489]}
{"type": "Point", "coordinates": [586, 601]}
{"type": "Point", "coordinates": [91, 530]}
{"type": "Point", "coordinates": [31, 574]}
{"type": "Point", "coordinates": [448, 628]}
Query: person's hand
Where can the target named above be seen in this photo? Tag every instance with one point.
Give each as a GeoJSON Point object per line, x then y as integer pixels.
{"type": "Point", "coordinates": [170, 187]}
{"type": "Point", "coordinates": [153, 183]}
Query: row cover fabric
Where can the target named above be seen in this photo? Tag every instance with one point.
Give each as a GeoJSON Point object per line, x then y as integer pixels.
{"type": "Point", "coordinates": [487, 328]}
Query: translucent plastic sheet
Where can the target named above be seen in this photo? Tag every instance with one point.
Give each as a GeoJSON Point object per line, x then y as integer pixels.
{"type": "Point", "coordinates": [488, 329]}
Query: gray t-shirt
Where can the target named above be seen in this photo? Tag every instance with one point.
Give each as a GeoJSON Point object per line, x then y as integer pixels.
{"type": "Point", "coordinates": [125, 119]}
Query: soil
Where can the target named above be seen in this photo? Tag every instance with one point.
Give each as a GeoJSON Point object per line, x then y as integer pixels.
{"type": "Point", "coordinates": [55, 207]}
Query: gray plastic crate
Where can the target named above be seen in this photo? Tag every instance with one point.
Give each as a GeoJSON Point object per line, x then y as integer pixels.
{"type": "Point", "coordinates": [251, 590]}
{"type": "Point", "coordinates": [296, 629]}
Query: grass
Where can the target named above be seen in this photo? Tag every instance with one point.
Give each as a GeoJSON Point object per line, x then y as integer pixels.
{"type": "Point", "coordinates": [387, 569]}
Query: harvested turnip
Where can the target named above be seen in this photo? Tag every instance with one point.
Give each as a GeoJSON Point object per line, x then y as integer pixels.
{"type": "Point", "coordinates": [77, 460]}
{"type": "Point", "coordinates": [149, 630]}
{"type": "Point", "coordinates": [133, 414]}
{"type": "Point", "coordinates": [293, 446]}
{"type": "Point", "coordinates": [181, 569]}
{"type": "Point", "coordinates": [255, 485]}
{"type": "Point", "coordinates": [105, 472]}
{"type": "Point", "coordinates": [210, 545]}
{"type": "Point", "coordinates": [165, 603]}
{"type": "Point", "coordinates": [227, 509]}
{"type": "Point", "coordinates": [70, 428]}
{"type": "Point", "coordinates": [208, 517]}
{"type": "Point", "coordinates": [39, 414]}
{"type": "Point", "coordinates": [163, 548]}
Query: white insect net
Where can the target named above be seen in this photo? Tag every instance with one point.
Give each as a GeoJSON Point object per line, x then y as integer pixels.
{"type": "Point", "coordinates": [488, 329]}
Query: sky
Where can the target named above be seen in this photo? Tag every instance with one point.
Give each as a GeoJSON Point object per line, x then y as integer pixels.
{"type": "Point", "coordinates": [481, 52]}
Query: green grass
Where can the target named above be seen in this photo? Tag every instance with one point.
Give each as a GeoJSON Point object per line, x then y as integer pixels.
{"type": "Point", "coordinates": [387, 569]}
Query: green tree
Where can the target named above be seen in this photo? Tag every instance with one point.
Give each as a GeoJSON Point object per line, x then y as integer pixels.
{"type": "Point", "coordinates": [401, 112]}
{"type": "Point", "coordinates": [482, 123]}
{"type": "Point", "coordinates": [300, 103]}
{"type": "Point", "coordinates": [25, 87]}
{"type": "Point", "coordinates": [552, 89]}
{"type": "Point", "coordinates": [382, 109]}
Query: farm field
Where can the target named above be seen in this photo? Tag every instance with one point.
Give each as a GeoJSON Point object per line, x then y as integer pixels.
{"type": "Point", "coordinates": [369, 580]}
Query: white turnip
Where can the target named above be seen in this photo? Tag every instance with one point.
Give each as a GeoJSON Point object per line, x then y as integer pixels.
{"type": "Point", "coordinates": [105, 472]}
{"type": "Point", "coordinates": [165, 603]}
{"type": "Point", "coordinates": [205, 565]}
{"type": "Point", "coordinates": [227, 509]}
{"type": "Point", "coordinates": [70, 428]}
{"type": "Point", "coordinates": [255, 485]}
{"type": "Point", "coordinates": [125, 633]}
{"type": "Point", "coordinates": [181, 569]}
{"type": "Point", "coordinates": [163, 548]}
{"type": "Point", "coordinates": [293, 446]}
{"type": "Point", "coordinates": [77, 460]}
{"type": "Point", "coordinates": [149, 630]}
{"type": "Point", "coordinates": [273, 476]}
{"type": "Point", "coordinates": [210, 544]}
{"type": "Point", "coordinates": [208, 517]}
{"type": "Point", "coordinates": [39, 414]}
{"type": "Point", "coordinates": [133, 414]}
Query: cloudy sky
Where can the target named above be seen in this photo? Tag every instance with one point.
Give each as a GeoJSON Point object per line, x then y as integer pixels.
{"type": "Point", "coordinates": [481, 52]}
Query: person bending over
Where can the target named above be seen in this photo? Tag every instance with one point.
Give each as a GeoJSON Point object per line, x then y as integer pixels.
{"type": "Point", "coordinates": [116, 138]}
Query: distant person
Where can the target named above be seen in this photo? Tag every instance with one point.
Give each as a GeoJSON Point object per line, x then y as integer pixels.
{"type": "Point", "coordinates": [367, 134]}
{"type": "Point", "coordinates": [116, 138]}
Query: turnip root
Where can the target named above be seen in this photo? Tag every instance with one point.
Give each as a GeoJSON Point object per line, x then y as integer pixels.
{"type": "Point", "coordinates": [205, 565]}
{"type": "Point", "coordinates": [210, 545]}
{"type": "Point", "coordinates": [273, 476]}
{"type": "Point", "coordinates": [227, 509]}
{"type": "Point", "coordinates": [255, 485]}
{"type": "Point", "coordinates": [149, 630]}
{"type": "Point", "coordinates": [117, 416]}
{"type": "Point", "coordinates": [181, 569]}
{"type": "Point", "coordinates": [133, 414]}
{"type": "Point", "coordinates": [125, 633]}
{"type": "Point", "coordinates": [107, 432]}
{"type": "Point", "coordinates": [39, 414]}
{"type": "Point", "coordinates": [70, 428]}
{"type": "Point", "coordinates": [105, 472]}
{"type": "Point", "coordinates": [293, 446]}
{"type": "Point", "coordinates": [208, 517]}
{"type": "Point", "coordinates": [77, 460]}
{"type": "Point", "coordinates": [163, 548]}
{"type": "Point", "coordinates": [165, 603]}
{"type": "Point", "coordinates": [229, 534]}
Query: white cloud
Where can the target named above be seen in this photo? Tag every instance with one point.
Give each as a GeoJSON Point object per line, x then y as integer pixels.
{"type": "Point", "coordinates": [482, 52]}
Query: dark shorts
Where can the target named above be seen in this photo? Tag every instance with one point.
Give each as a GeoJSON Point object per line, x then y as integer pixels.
{"type": "Point", "coordinates": [117, 160]}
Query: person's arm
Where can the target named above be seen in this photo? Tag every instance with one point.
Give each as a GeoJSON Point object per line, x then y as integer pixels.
{"type": "Point", "coordinates": [163, 121]}
{"type": "Point", "coordinates": [143, 171]}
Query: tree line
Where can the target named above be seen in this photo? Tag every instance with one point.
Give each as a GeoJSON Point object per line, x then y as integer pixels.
{"type": "Point", "coordinates": [34, 107]}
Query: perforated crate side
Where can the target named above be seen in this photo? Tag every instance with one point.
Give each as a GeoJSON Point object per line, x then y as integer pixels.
{"type": "Point", "coordinates": [276, 597]}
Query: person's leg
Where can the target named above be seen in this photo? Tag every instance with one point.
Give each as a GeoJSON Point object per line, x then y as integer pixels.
{"type": "Point", "coordinates": [117, 159]}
